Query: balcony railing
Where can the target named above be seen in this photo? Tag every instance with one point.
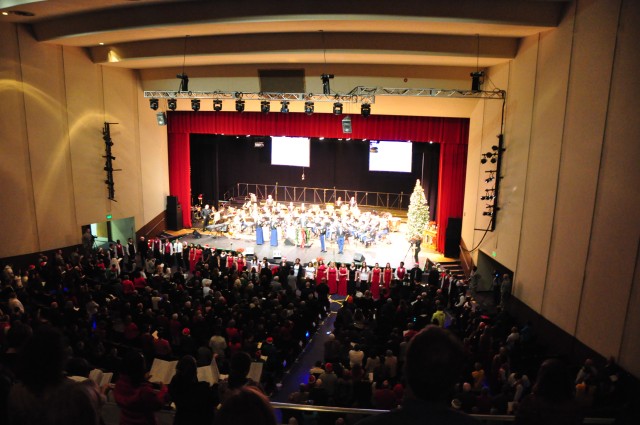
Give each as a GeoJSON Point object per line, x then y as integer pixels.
{"type": "Point", "coordinates": [317, 195]}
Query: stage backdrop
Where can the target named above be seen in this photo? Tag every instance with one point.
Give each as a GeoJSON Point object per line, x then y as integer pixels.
{"type": "Point", "coordinates": [219, 162]}
{"type": "Point", "coordinates": [451, 133]}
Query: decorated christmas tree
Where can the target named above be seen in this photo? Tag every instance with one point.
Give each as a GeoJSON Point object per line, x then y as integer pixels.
{"type": "Point", "coordinates": [418, 216]}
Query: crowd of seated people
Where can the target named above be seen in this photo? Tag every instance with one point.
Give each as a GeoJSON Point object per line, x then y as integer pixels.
{"type": "Point", "coordinates": [108, 311]}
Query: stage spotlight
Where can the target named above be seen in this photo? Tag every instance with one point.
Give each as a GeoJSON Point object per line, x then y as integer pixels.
{"type": "Point", "coordinates": [365, 110]}
{"type": "Point", "coordinates": [172, 104]}
{"type": "Point", "coordinates": [326, 88]}
{"type": "Point", "coordinates": [476, 81]}
{"type": "Point", "coordinates": [217, 105]}
{"type": "Point", "coordinates": [265, 106]}
{"type": "Point", "coordinates": [195, 105]}
{"type": "Point", "coordinates": [483, 160]}
{"type": "Point", "coordinates": [240, 105]}
{"type": "Point", "coordinates": [284, 108]}
{"type": "Point", "coordinates": [184, 82]}
{"type": "Point", "coordinates": [153, 104]}
{"type": "Point", "coordinates": [494, 160]}
{"type": "Point", "coordinates": [337, 108]}
{"type": "Point", "coordinates": [308, 107]}
{"type": "Point", "coordinates": [488, 213]}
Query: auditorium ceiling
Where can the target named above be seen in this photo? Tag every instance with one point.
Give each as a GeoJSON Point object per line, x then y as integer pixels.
{"type": "Point", "coordinates": [147, 34]}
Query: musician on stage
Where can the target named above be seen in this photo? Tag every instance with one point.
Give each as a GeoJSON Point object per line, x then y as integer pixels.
{"type": "Point", "coordinates": [340, 237]}
{"type": "Point", "coordinates": [259, 231]}
{"type": "Point", "coordinates": [273, 224]}
{"type": "Point", "coordinates": [322, 232]}
{"type": "Point", "coordinates": [206, 216]}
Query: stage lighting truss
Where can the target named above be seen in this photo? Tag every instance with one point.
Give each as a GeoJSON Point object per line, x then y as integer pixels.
{"type": "Point", "coordinates": [359, 94]}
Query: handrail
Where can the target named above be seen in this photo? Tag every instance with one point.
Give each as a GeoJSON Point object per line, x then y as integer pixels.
{"type": "Point", "coordinates": [318, 195]}
{"type": "Point", "coordinates": [329, 409]}
{"type": "Point", "coordinates": [112, 408]}
{"type": "Point", "coordinates": [466, 261]}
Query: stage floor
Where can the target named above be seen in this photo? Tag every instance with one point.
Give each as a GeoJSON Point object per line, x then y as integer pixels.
{"type": "Point", "coordinates": [396, 248]}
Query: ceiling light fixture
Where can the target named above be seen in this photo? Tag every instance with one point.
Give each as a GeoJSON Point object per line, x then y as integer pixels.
{"type": "Point", "coordinates": [308, 107]}
{"type": "Point", "coordinates": [153, 104]}
{"type": "Point", "coordinates": [172, 104]}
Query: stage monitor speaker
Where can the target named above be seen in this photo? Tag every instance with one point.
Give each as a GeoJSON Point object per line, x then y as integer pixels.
{"type": "Point", "coordinates": [277, 254]}
{"type": "Point", "coordinates": [346, 124]}
{"type": "Point", "coordinates": [452, 238]}
{"type": "Point", "coordinates": [174, 213]}
{"type": "Point", "coordinates": [358, 257]}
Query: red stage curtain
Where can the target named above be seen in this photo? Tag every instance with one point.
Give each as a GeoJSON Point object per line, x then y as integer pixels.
{"type": "Point", "coordinates": [179, 177]}
{"type": "Point", "coordinates": [451, 133]}
{"type": "Point", "coordinates": [375, 127]}
{"type": "Point", "coordinates": [451, 179]}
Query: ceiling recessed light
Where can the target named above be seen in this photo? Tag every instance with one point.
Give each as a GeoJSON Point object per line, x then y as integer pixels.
{"type": "Point", "coordinates": [102, 44]}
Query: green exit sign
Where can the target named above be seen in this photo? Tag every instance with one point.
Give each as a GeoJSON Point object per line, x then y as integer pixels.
{"type": "Point", "coordinates": [109, 216]}
{"type": "Point", "coordinates": [493, 253]}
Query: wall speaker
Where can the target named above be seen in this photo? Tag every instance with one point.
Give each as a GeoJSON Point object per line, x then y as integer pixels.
{"type": "Point", "coordinates": [358, 257]}
{"type": "Point", "coordinates": [346, 124]}
{"type": "Point", "coordinates": [162, 118]}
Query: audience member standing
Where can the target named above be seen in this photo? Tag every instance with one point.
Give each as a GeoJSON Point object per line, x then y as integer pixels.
{"type": "Point", "coordinates": [434, 361]}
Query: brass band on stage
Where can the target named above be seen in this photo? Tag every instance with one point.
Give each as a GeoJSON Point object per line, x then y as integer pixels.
{"type": "Point", "coordinates": [299, 224]}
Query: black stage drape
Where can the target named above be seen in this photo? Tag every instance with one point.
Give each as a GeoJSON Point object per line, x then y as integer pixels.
{"type": "Point", "coordinates": [219, 162]}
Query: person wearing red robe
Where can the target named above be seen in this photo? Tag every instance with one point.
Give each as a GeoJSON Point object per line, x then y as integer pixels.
{"type": "Point", "coordinates": [321, 272]}
{"type": "Point", "coordinates": [332, 278]}
{"type": "Point", "coordinates": [376, 279]}
{"type": "Point", "coordinates": [240, 263]}
{"type": "Point", "coordinates": [387, 275]}
{"type": "Point", "coordinates": [192, 258]}
{"type": "Point", "coordinates": [343, 276]}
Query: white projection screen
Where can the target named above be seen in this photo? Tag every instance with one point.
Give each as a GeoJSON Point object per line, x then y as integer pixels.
{"type": "Point", "coordinates": [390, 156]}
{"type": "Point", "coordinates": [292, 151]}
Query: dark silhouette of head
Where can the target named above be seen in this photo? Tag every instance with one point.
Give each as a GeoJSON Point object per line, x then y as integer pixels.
{"type": "Point", "coordinates": [434, 361]}
{"type": "Point", "coordinates": [246, 406]}
{"type": "Point", "coordinates": [554, 382]}
{"type": "Point", "coordinates": [134, 366]}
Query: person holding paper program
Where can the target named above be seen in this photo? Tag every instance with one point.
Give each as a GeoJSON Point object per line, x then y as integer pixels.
{"type": "Point", "coordinates": [136, 396]}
